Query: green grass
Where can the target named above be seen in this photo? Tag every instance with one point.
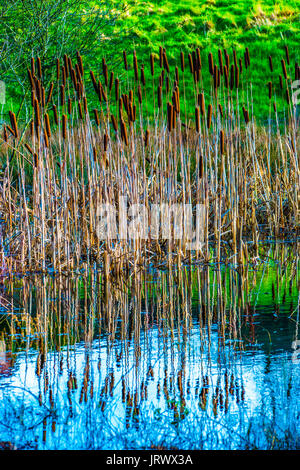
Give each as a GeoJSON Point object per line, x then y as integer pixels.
{"type": "Point", "coordinates": [265, 27]}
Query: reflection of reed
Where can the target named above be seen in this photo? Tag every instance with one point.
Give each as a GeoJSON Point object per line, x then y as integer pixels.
{"type": "Point", "coordinates": [148, 323]}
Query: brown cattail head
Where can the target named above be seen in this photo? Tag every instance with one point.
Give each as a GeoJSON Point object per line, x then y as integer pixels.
{"type": "Point", "coordinates": [55, 114]}
{"type": "Point", "coordinates": [57, 69]}
{"type": "Point", "coordinates": [146, 138]}
{"type": "Point", "coordinates": [211, 63]}
{"type": "Point", "coordinates": [114, 123]}
{"type": "Point", "coordinates": [47, 125]}
{"type": "Point", "coordinates": [165, 61]}
{"type": "Point", "coordinates": [222, 142]}
{"type": "Point", "coordinates": [284, 68]}
{"type": "Point", "coordinates": [248, 56]}
{"type": "Point", "coordinates": [105, 142]}
{"type": "Point", "coordinates": [124, 135]}
{"type": "Point", "coordinates": [271, 63]}
{"type": "Point", "coordinates": [13, 121]}
{"type": "Point", "coordinates": [280, 82]}
{"type": "Point", "coordinates": [135, 66]}
{"type": "Point", "coordinates": [201, 103]}
{"type": "Point", "coordinates": [161, 60]}
{"type": "Point", "coordinates": [270, 89]}
{"type": "Point", "coordinates": [64, 126]}
{"type": "Point", "coordinates": [125, 60]}
{"type": "Point", "coordinates": [197, 119]}
{"type": "Point", "coordinates": [152, 64]}
{"type": "Point", "coordinates": [50, 93]}
{"type": "Point", "coordinates": [221, 110]}
{"type": "Point", "coordinates": [117, 88]}
{"type": "Point", "coordinates": [287, 54]}
{"type": "Point", "coordinates": [96, 115]}
{"type": "Point", "coordinates": [246, 115]}
{"type": "Point", "coordinates": [182, 61]}
{"type": "Point", "coordinates": [111, 81]}
{"type": "Point", "coordinates": [209, 116]}
{"type": "Point", "coordinates": [159, 100]}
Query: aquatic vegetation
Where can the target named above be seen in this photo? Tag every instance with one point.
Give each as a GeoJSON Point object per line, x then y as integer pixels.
{"type": "Point", "coordinates": [68, 160]}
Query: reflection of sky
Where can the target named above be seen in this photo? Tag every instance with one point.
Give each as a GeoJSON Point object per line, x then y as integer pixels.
{"type": "Point", "coordinates": [264, 379]}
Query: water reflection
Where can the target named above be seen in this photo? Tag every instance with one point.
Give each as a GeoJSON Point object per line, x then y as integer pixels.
{"type": "Point", "coordinates": [196, 358]}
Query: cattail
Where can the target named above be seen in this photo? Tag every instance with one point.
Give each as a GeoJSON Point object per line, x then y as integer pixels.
{"type": "Point", "coordinates": [125, 60]}
{"type": "Point", "coordinates": [235, 58]}
{"type": "Point", "coordinates": [117, 86]}
{"type": "Point", "coordinates": [246, 60]}
{"type": "Point", "coordinates": [248, 56]}
{"type": "Point", "coordinates": [39, 67]}
{"type": "Point", "coordinates": [13, 122]}
{"type": "Point", "coordinates": [270, 89]}
{"type": "Point", "coordinates": [46, 140]}
{"type": "Point", "coordinates": [102, 92]}
{"type": "Point", "coordinates": [66, 65]}
{"type": "Point", "coordinates": [124, 132]}
{"type": "Point", "coordinates": [146, 138]}
{"type": "Point", "coordinates": [57, 69]}
{"type": "Point", "coordinates": [287, 54]}
{"type": "Point", "coordinates": [10, 130]}
{"type": "Point", "coordinates": [55, 114]}
{"type": "Point", "coordinates": [191, 63]}
{"type": "Point", "coordinates": [246, 115]}
{"type": "Point", "coordinates": [167, 84]}
{"type": "Point", "coordinates": [47, 125]}
{"type": "Point", "coordinates": [5, 135]}
{"type": "Point", "coordinates": [80, 110]}
{"type": "Point", "coordinates": [241, 65]}
{"type": "Point", "coordinates": [201, 166]}
{"type": "Point", "coordinates": [199, 62]}
{"type": "Point", "coordinates": [221, 109]}
{"type": "Point", "coordinates": [226, 76]}
{"type": "Point", "coordinates": [237, 77]}
{"type": "Point", "coordinates": [62, 95]}
{"type": "Point", "coordinates": [43, 97]}
{"type": "Point", "coordinates": [50, 93]}
{"type": "Point", "coordinates": [287, 96]}
{"type": "Point", "coordinates": [159, 100]}
{"type": "Point", "coordinates": [211, 63]}
{"type": "Point", "coordinates": [197, 119]}
{"type": "Point", "coordinates": [111, 81]}
{"type": "Point", "coordinates": [220, 61]}
{"type": "Point", "coordinates": [166, 63]}
{"type": "Point", "coordinates": [143, 80]}
{"type": "Point", "coordinates": [95, 85]}
{"type": "Point", "coordinates": [271, 63]}
{"type": "Point", "coordinates": [209, 116]}
{"type": "Point", "coordinates": [161, 60]}
{"type": "Point", "coordinates": [135, 66]}
{"type": "Point", "coordinates": [64, 126]}
{"type": "Point", "coordinates": [296, 71]}
{"type": "Point", "coordinates": [170, 117]}
{"type": "Point", "coordinates": [232, 76]}
{"type": "Point", "coordinates": [114, 123]}
{"type": "Point", "coordinates": [284, 68]}
{"type": "Point", "coordinates": [30, 78]}
{"type": "Point", "coordinates": [69, 106]}
{"type": "Point", "coordinates": [29, 149]}
{"type": "Point", "coordinates": [140, 94]}
{"type": "Point", "coordinates": [201, 103]}
{"type": "Point", "coordinates": [35, 160]}
{"type": "Point", "coordinates": [85, 106]}
{"type": "Point", "coordinates": [182, 61]}
{"type": "Point", "coordinates": [152, 64]}
{"type": "Point", "coordinates": [105, 142]}
{"type": "Point", "coordinates": [222, 142]}
{"type": "Point", "coordinates": [274, 106]}
{"type": "Point", "coordinates": [226, 55]}
{"type": "Point", "coordinates": [105, 71]}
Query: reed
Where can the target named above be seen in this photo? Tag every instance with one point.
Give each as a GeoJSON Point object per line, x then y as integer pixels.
{"type": "Point", "coordinates": [86, 144]}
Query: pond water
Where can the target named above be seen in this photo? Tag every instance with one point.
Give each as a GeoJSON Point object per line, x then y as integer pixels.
{"type": "Point", "coordinates": [196, 358]}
